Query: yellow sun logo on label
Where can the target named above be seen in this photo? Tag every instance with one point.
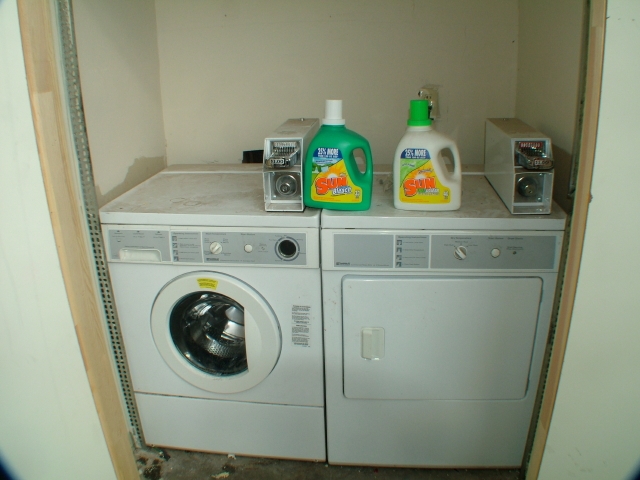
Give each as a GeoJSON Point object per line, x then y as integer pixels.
{"type": "Point", "coordinates": [421, 185]}
{"type": "Point", "coordinates": [335, 185]}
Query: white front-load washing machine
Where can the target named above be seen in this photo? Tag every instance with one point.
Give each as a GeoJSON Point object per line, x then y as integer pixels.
{"type": "Point", "coordinates": [436, 325]}
{"type": "Point", "coordinates": [219, 305]}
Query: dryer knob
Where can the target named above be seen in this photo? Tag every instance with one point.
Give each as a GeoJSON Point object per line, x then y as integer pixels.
{"type": "Point", "coordinates": [215, 248]}
{"type": "Point", "coordinates": [460, 253]}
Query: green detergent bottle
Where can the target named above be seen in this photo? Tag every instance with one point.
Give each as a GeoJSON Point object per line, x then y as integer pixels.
{"type": "Point", "coordinates": [332, 179]}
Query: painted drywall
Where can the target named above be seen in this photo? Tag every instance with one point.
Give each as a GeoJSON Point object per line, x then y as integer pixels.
{"type": "Point", "coordinates": [231, 72]}
{"type": "Point", "coordinates": [549, 53]}
{"type": "Point", "coordinates": [119, 75]}
{"type": "Point", "coordinates": [49, 426]}
{"type": "Point", "coordinates": [595, 428]}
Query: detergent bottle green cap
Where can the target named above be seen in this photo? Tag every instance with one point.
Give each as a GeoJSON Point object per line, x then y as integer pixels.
{"type": "Point", "coordinates": [419, 114]}
{"type": "Point", "coordinates": [333, 113]}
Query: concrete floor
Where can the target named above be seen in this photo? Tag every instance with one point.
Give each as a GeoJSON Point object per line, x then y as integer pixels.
{"type": "Point", "coordinates": [167, 464]}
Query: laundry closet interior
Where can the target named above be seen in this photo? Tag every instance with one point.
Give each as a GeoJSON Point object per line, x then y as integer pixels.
{"type": "Point", "coordinates": [168, 83]}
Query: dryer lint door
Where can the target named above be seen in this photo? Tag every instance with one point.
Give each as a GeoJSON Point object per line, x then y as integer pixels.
{"type": "Point", "coordinates": [216, 332]}
{"type": "Point", "coordinates": [441, 338]}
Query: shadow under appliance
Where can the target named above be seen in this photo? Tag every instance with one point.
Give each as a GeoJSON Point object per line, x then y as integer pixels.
{"type": "Point", "coordinates": [436, 325]}
{"type": "Point", "coordinates": [518, 162]}
{"type": "Point", "coordinates": [284, 152]}
{"type": "Point", "coordinates": [223, 356]}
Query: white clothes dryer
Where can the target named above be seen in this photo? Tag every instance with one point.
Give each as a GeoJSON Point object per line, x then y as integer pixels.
{"type": "Point", "coordinates": [219, 306]}
{"type": "Point", "coordinates": [436, 325]}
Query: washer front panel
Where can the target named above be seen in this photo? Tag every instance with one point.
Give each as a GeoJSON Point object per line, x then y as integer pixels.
{"type": "Point", "coordinates": [293, 295]}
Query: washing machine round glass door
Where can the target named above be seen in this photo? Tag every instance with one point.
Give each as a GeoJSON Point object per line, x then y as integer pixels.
{"type": "Point", "coordinates": [216, 332]}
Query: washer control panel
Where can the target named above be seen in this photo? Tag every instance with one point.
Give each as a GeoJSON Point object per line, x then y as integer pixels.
{"type": "Point", "coordinates": [211, 246]}
{"type": "Point", "coordinates": [241, 247]}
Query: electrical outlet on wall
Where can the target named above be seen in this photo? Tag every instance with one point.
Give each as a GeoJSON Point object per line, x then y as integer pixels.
{"type": "Point", "coordinates": [430, 93]}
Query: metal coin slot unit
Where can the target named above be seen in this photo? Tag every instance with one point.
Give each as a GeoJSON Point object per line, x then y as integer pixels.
{"type": "Point", "coordinates": [283, 155]}
{"type": "Point", "coordinates": [284, 152]}
{"type": "Point", "coordinates": [534, 155]}
{"type": "Point", "coordinates": [287, 185]}
{"type": "Point", "coordinates": [519, 165]}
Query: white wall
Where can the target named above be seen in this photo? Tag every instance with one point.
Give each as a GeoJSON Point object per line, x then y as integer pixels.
{"type": "Point", "coordinates": [231, 72]}
{"type": "Point", "coordinates": [49, 427]}
{"type": "Point", "coordinates": [595, 429]}
{"type": "Point", "coordinates": [549, 54]}
{"type": "Point", "coordinates": [119, 74]}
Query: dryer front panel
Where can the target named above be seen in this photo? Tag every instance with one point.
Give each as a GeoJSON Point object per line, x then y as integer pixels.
{"type": "Point", "coordinates": [216, 332]}
{"type": "Point", "coordinates": [437, 337]}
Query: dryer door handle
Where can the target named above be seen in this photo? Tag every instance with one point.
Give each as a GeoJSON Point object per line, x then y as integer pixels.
{"type": "Point", "coordinates": [372, 343]}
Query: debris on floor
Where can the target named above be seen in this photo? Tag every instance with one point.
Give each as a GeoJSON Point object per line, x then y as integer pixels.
{"type": "Point", "coordinates": [154, 472]}
{"type": "Point", "coordinates": [150, 463]}
{"type": "Point", "coordinates": [163, 454]}
{"type": "Point", "coordinates": [169, 464]}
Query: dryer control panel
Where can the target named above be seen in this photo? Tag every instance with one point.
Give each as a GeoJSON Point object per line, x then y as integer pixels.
{"type": "Point", "coordinates": [384, 250]}
{"type": "Point", "coordinates": [207, 246]}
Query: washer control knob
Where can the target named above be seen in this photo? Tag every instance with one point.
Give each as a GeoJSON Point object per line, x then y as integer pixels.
{"type": "Point", "coordinates": [287, 248]}
{"type": "Point", "coordinates": [248, 248]}
{"type": "Point", "coordinates": [460, 253]}
{"type": "Point", "coordinates": [215, 248]}
{"type": "Point", "coordinates": [495, 253]}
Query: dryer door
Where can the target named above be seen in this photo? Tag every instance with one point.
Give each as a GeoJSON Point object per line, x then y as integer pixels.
{"type": "Point", "coordinates": [216, 332]}
{"type": "Point", "coordinates": [439, 338]}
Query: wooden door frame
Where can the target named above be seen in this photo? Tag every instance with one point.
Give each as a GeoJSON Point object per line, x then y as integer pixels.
{"type": "Point", "coordinates": [66, 207]}
{"type": "Point", "coordinates": [59, 170]}
{"type": "Point", "coordinates": [587, 146]}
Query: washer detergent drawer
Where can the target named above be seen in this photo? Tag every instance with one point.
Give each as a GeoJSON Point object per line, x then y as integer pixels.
{"type": "Point", "coordinates": [441, 338]}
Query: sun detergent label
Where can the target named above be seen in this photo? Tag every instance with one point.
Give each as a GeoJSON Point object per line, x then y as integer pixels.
{"type": "Point", "coordinates": [330, 178]}
{"type": "Point", "coordinates": [419, 182]}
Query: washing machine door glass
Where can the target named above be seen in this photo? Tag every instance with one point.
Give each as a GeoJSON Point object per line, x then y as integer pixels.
{"type": "Point", "coordinates": [216, 332]}
{"type": "Point", "coordinates": [208, 330]}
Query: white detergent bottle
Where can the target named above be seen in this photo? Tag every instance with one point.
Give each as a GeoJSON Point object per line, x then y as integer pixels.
{"type": "Point", "coordinates": [421, 180]}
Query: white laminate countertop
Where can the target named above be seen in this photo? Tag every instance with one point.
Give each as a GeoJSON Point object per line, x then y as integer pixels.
{"type": "Point", "coordinates": [231, 195]}
{"type": "Point", "coordinates": [203, 195]}
{"type": "Point", "coordinates": [481, 209]}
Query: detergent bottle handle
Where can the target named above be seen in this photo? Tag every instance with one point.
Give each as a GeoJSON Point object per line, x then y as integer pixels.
{"type": "Point", "coordinates": [457, 168]}
{"type": "Point", "coordinates": [363, 143]}
{"type": "Point", "coordinates": [368, 158]}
